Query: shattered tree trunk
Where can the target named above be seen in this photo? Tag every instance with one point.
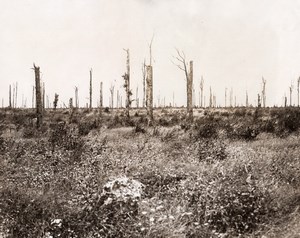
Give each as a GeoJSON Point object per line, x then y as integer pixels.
{"type": "Point", "coordinates": [264, 92]}
{"type": "Point", "coordinates": [201, 90]}
{"type": "Point", "coordinates": [144, 84]}
{"type": "Point", "coordinates": [298, 90]}
{"type": "Point", "coordinates": [190, 92]}
{"type": "Point", "coordinates": [43, 97]}
{"type": "Point", "coordinates": [76, 98]}
{"type": "Point", "coordinates": [258, 101]}
{"type": "Point", "coordinates": [149, 103]}
{"type": "Point", "coordinates": [13, 102]}
{"type": "Point", "coordinates": [101, 97]}
{"type": "Point", "coordinates": [91, 88]}
{"type": "Point", "coordinates": [33, 96]}
{"type": "Point", "coordinates": [16, 95]}
{"type": "Point", "coordinates": [9, 96]}
{"type": "Point", "coordinates": [210, 97]}
{"type": "Point", "coordinates": [39, 105]}
{"type": "Point", "coordinates": [247, 101]}
{"type": "Point", "coordinates": [127, 84]}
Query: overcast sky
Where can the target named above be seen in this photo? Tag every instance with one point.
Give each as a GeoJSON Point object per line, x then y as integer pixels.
{"type": "Point", "coordinates": [233, 43]}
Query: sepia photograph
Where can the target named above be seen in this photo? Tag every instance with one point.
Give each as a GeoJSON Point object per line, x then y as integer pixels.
{"type": "Point", "coordinates": [149, 118]}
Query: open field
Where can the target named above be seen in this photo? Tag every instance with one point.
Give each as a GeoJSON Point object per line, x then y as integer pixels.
{"type": "Point", "coordinates": [230, 173]}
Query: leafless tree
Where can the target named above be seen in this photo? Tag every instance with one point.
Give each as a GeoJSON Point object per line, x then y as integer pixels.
{"type": "Point", "coordinates": [126, 77]}
{"type": "Point", "coordinates": [201, 91]}
{"type": "Point", "coordinates": [291, 93]}
{"type": "Point", "coordinates": [264, 92]}
{"type": "Point", "coordinates": [39, 106]}
{"type": "Point", "coordinates": [91, 88]}
{"type": "Point", "coordinates": [10, 96]}
{"type": "Point", "coordinates": [112, 90]}
{"type": "Point", "coordinates": [298, 84]}
{"type": "Point", "coordinates": [183, 65]}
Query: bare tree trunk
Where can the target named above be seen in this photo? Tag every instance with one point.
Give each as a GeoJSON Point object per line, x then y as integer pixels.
{"type": "Point", "coordinates": [118, 99]}
{"type": "Point", "coordinates": [258, 101]}
{"type": "Point", "coordinates": [39, 106]}
{"type": "Point", "coordinates": [33, 94]}
{"type": "Point", "coordinates": [16, 95]}
{"type": "Point", "coordinates": [91, 88]}
{"type": "Point", "coordinates": [210, 97]}
{"type": "Point", "coordinates": [225, 104]}
{"type": "Point", "coordinates": [291, 93]}
{"type": "Point", "coordinates": [112, 89]}
{"type": "Point", "coordinates": [234, 101]}
{"type": "Point", "coordinates": [247, 101]}
{"type": "Point", "coordinates": [173, 100]}
{"type": "Point", "coordinates": [47, 97]}
{"type": "Point", "coordinates": [43, 98]}
{"type": "Point", "coordinates": [126, 77]}
{"type": "Point", "coordinates": [264, 92]}
{"type": "Point", "coordinates": [101, 97]}
{"type": "Point", "coordinates": [201, 90]}
{"type": "Point", "coordinates": [285, 101]}
{"type": "Point", "coordinates": [144, 83]}
{"type": "Point", "coordinates": [231, 95]}
{"type": "Point", "coordinates": [14, 89]}
{"type": "Point", "coordinates": [76, 97]}
{"type": "Point", "coordinates": [190, 92]}
{"type": "Point", "coordinates": [9, 96]}
{"type": "Point", "coordinates": [298, 89]}
{"type": "Point", "coordinates": [136, 97]}
{"type": "Point", "coordinates": [149, 94]}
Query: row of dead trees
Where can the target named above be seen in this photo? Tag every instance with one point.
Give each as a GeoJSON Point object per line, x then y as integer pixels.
{"type": "Point", "coordinates": [182, 64]}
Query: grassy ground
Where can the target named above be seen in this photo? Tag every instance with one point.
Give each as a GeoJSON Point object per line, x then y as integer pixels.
{"type": "Point", "coordinates": [230, 173]}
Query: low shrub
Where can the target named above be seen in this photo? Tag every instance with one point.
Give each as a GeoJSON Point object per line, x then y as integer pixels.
{"type": "Point", "coordinates": [211, 150]}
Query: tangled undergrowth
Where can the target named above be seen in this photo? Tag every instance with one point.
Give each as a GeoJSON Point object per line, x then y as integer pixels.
{"type": "Point", "coordinates": [148, 182]}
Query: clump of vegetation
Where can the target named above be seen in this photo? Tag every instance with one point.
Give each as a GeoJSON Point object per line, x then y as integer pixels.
{"type": "Point", "coordinates": [211, 150]}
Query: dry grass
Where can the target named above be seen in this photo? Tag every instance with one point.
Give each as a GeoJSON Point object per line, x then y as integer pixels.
{"type": "Point", "coordinates": [193, 186]}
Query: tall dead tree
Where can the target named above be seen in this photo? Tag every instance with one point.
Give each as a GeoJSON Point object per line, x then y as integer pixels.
{"type": "Point", "coordinates": [71, 103]}
{"type": "Point", "coordinates": [16, 95]}
{"type": "Point", "coordinates": [144, 83]}
{"type": "Point", "coordinates": [126, 77]}
{"type": "Point", "coordinates": [298, 89]}
{"type": "Point", "coordinates": [55, 101]}
{"type": "Point", "coordinates": [258, 100]}
{"type": "Point", "coordinates": [231, 95]}
{"type": "Point", "coordinates": [33, 94]}
{"type": "Point", "coordinates": [173, 99]}
{"type": "Point", "coordinates": [91, 88]}
{"type": "Point", "coordinates": [47, 98]}
{"type": "Point", "coordinates": [225, 104]}
{"type": "Point", "coordinates": [210, 98]}
{"type": "Point", "coordinates": [234, 100]}
{"type": "Point", "coordinates": [137, 97]}
{"type": "Point", "coordinates": [264, 92]}
{"type": "Point", "coordinates": [13, 102]}
{"type": "Point", "coordinates": [189, 81]}
{"type": "Point", "coordinates": [9, 96]}
{"type": "Point", "coordinates": [247, 100]}
{"type": "Point", "coordinates": [43, 96]}
{"type": "Point", "coordinates": [101, 97]}
{"type": "Point", "coordinates": [201, 91]}
{"type": "Point", "coordinates": [291, 93]}
{"type": "Point", "coordinates": [149, 103]}
{"type": "Point", "coordinates": [76, 97]}
{"type": "Point", "coordinates": [112, 90]}
{"type": "Point", "coordinates": [38, 96]}
{"type": "Point", "coordinates": [285, 101]}
{"type": "Point", "coordinates": [118, 99]}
